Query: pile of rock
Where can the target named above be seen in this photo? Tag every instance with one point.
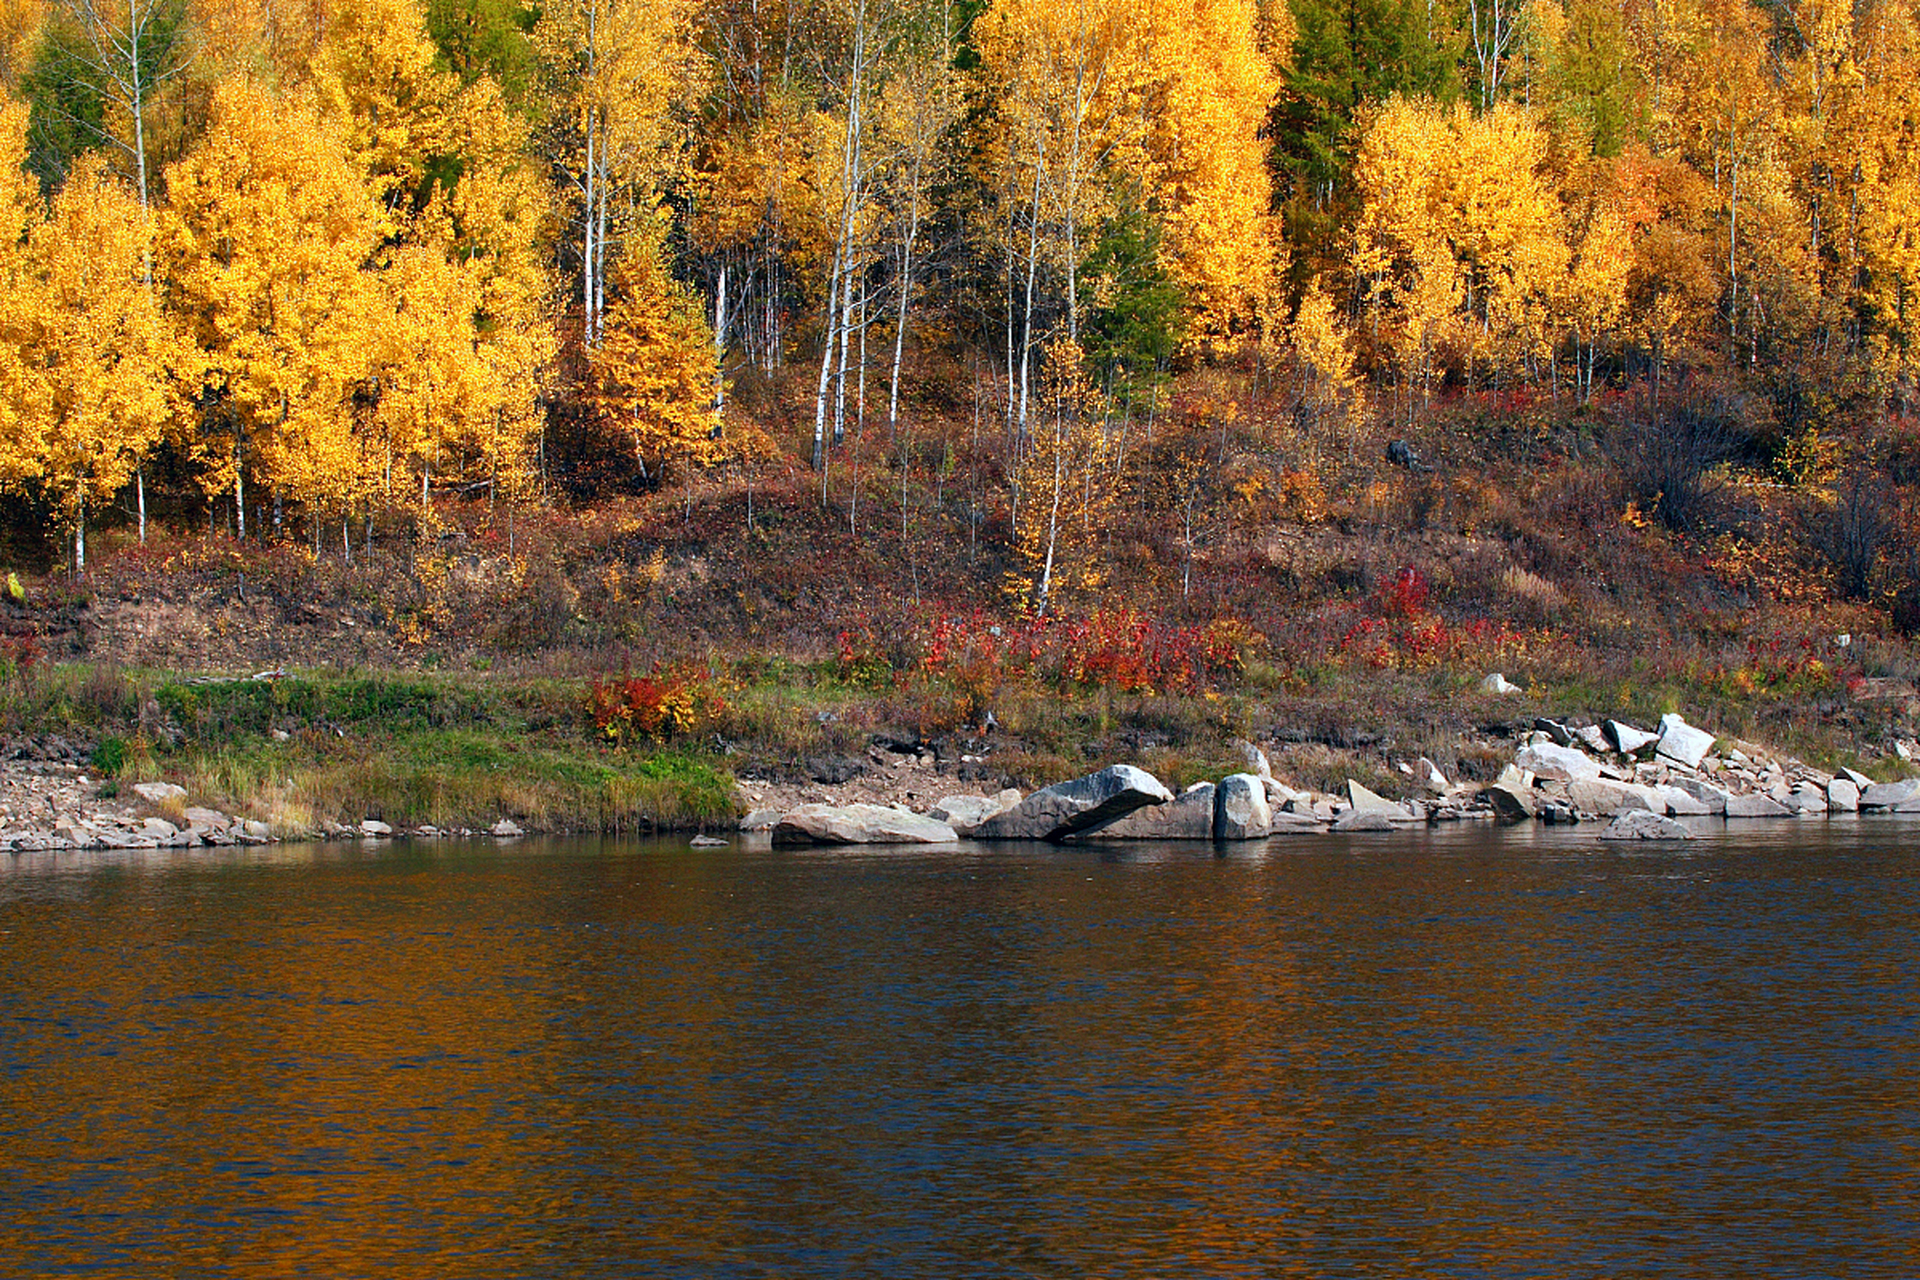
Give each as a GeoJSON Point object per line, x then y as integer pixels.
{"type": "Point", "coordinates": [1118, 803]}
{"type": "Point", "coordinates": [49, 807]}
{"type": "Point", "coordinates": [162, 820]}
{"type": "Point", "coordinates": [374, 829]}
{"type": "Point", "coordinates": [1568, 773]}
{"type": "Point", "coordinates": [1647, 781]}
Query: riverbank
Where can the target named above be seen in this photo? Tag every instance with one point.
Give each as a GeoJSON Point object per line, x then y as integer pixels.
{"type": "Point", "coordinates": [319, 754]}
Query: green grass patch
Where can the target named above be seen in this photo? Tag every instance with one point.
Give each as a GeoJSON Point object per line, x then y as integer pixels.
{"type": "Point", "coordinates": [459, 778]}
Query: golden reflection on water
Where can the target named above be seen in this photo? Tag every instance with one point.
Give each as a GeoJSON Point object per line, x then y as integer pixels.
{"type": "Point", "coordinates": [450, 1060]}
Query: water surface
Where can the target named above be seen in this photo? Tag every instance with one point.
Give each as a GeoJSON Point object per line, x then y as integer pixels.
{"type": "Point", "coordinates": [1464, 1053]}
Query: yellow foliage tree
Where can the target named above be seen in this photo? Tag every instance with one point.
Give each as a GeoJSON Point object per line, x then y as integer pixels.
{"type": "Point", "coordinates": [1065, 478]}
{"type": "Point", "coordinates": [23, 422]}
{"type": "Point", "coordinates": [622, 76]}
{"type": "Point", "coordinates": [99, 347]}
{"type": "Point", "coordinates": [266, 242]}
{"type": "Point", "coordinates": [1218, 84]}
{"type": "Point", "coordinates": [1330, 390]}
{"type": "Point", "coordinates": [652, 375]}
{"type": "Point", "coordinates": [1460, 237]}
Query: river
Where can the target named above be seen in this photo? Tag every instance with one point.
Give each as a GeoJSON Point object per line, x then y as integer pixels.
{"type": "Point", "coordinates": [1452, 1053]}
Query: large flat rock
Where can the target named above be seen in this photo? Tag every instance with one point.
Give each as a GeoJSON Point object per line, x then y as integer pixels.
{"type": "Point", "coordinates": [963, 813]}
{"type": "Point", "coordinates": [1563, 764]}
{"type": "Point", "coordinates": [1705, 792]}
{"type": "Point", "coordinates": [1681, 743]}
{"type": "Point", "coordinates": [858, 824]}
{"type": "Point", "coordinates": [1756, 807]}
{"type": "Point", "coordinates": [1643, 824]}
{"type": "Point", "coordinates": [1888, 795]}
{"type": "Point", "coordinates": [1188, 816]}
{"type": "Point", "coordinates": [1365, 801]}
{"type": "Point", "coordinates": [1078, 805]}
{"type": "Point", "coordinates": [1604, 796]}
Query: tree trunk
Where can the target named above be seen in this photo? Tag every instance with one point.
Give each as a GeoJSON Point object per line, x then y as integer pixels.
{"type": "Point", "coordinates": [587, 225]}
{"type": "Point", "coordinates": [1026, 332]}
{"type": "Point", "coordinates": [1053, 522]}
{"type": "Point", "coordinates": [720, 351]}
{"type": "Point", "coordinates": [906, 292]}
{"type": "Point", "coordinates": [850, 177]}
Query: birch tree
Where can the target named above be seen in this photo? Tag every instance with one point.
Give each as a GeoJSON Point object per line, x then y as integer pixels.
{"type": "Point", "coordinates": [127, 52]}
{"type": "Point", "coordinates": [101, 351]}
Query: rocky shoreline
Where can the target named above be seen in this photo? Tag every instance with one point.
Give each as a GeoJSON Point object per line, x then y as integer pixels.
{"type": "Point", "coordinates": [51, 804]}
{"type": "Point", "coordinates": [1642, 782]}
{"type": "Point", "coordinates": [1645, 784]}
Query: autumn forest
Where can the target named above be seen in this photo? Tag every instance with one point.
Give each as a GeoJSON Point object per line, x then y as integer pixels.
{"type": "Point", "coordinates": [1038, 300]}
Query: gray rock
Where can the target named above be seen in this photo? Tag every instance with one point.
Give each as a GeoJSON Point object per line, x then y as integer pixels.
{"type": "Point", "coordinates": [1428, 775]}
{"type": "Point", "coordinates": [1886, 795]}
{"type": "Point", "coordinates": [1860, 780]}
{"type": "Point", "coordinates": [1604, 796]}
{"type": "Point", "coordinates": [1756, 807]}
{"type": "Point", "coordinates": [208, 819]}
{"type": "Point", "coordinates": [1498, 683]}
{"type": "Point", "coordinates": [77, 834]}
{"type": "Point", "coordinates": [1809, 797]}
{"type": "Point", "coordinates": [1843, 796]}
{"type": "Point", "coordinates": [1557, 813]}
{"type": "Point", "coordinates": [1910, 805]}
{"type": "Point", "coordinates": [1288, 823]}
{"type": "Point", "coordinates": [257, 830]}
{"type": "Point", "coordinates": [964, 813]}
{"type": "Point", "coordinates": [374, 828]}
{"type": "Point", "coordinates": [1188, 816]}
{"type": "Point", "coordinates": [1365, 801]}
{"type": "Point", "coordinates": [159, 829]}
{"type": "Point", "coordinates": [1281, 796]}
{"type": "Point", "coordinates": [1564, 764]}
{"type": "Point", "coordinates": [1240, 809]}
{"type": "Point", "coordinates": [1680, 804]}
{"type": "Point", "coordinates": [859, 824]}
{"type": "Point", "coordinates": [1510, 803]}
{"type": "Point", "coordinates": [1562, 736]}
{"type": "Point", "coordinates": [1627, 739]}
{"type": "Point", "coordinates": [159, 793]}
{"type": "Point", "coordinates": [1082, 804]}
{"type": "Point", "coordinates": [760, 820]}
{"type": "Point", "coordinates": [1681, 743]}
{"type": "Point", "coordinates": [505, 829]}
{"type": "Point", "coordinates": [1592, 738]}
{"type": "Point", "coordinates": [1642, 824]}
{"type": "Point", "coordinates": [707, 842]}
{"type": "Point", "coordinates": [1354, 820]}
{"type": "Point", "coordinates": [1706, 793]}
{"type": "Point", "coordinates": [1257, 763]}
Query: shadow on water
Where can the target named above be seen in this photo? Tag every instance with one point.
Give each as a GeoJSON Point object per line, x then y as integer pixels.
{"type": "Point", "coordinates": [1444, 1053]}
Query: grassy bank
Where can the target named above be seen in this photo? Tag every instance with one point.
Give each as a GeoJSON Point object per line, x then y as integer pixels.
{"type": "Point", "coordinates": [311, 748]}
